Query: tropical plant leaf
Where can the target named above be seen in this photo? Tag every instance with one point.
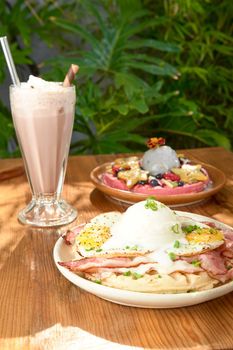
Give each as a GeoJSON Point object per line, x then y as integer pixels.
{"type": "Point", "coordinates": [154, 44]}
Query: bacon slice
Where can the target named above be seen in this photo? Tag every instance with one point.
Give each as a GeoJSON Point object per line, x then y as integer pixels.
{"type": "Point", "coordinates": [69, 236]}
{"type": "Point", "coordinates": [88, 263]}
{"type": "Point", "coordinates": [227, 248]}
{"type": "Point", "coordinates": [147, 267]}
{"type": "Point", "coordinates": [213, 262]}
{"type": "Point", "coordinates": [228, 234]}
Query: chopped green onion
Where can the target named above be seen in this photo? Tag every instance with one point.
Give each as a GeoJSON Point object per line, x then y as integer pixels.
{"type": "Point", "coordinates": [97, 281]}
{"type": "Point", "coordinates": [172, 256]}
{"type": "Point", "coordinates": [213, 231]}
{"type": "Point", "coordinates": [190, 228]}
{"type": "Point", "coordinates": [88, 249]}
{"type": "Point", "coordinates": [196, 263]}
{"type": "Point", "coordinates": [175, 228]}
{"type": "Point", "coordinates": [176, 244]}
{"type": "Point", "coordinates": [151, 204]}
{"type": "Point", "coordinates": [127, 273]}
{"type": "Point", "coordinates": [99, 250]}
{"type": "Point", "coordinates": [136, 275]}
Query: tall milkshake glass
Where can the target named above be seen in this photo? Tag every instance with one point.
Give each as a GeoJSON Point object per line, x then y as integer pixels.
{"type": "Point", "coordinates": [43, 115]}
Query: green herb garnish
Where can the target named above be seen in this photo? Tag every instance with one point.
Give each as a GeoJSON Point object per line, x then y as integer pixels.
{"type": "Point", "coordinates": [176, 244]}
{"type": "Point", "coordinates": [136, 275]}
{"type": "Point", "coordinates": [159, 276]}
{"type": "Point", "coordinates": [196, 263]}
{"type": "Point", "coordinates": [97, 281]}
{"type": "Point", "coordinates": [190, 228]}
{"type": "Point", "coordinates": [99, 250]}
{"type": "Point", "coordinates": [88, 249]}
{"type": "Point", "coordinates": [135, 247]}
{"type": "Point", "coordinates": [172, 256]}
{"type": "Point", "coordinates": [213, 231]}
{"type": "Point", "coordinates": [127, 273]}
{"type": "Point", "coordinates": [175, 228]}
{"type": "Point", "coordinates": [151, 204]}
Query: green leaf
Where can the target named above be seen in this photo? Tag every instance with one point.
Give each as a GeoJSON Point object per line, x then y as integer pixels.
{"type": "Point", "coordinates": [154, 44]}
{"type": "Point", "coordinates": [77, 29]}
{"type": "Point", "coordinates": [213, 138]}
{"type": "Point", "coordinates": [153, 69]}
{"type": "Point", "coordinates": [139, 104]}
{"type": "Point", "coordinates": [122, 109]}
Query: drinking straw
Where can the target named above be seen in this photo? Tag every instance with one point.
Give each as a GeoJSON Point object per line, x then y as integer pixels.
{"type": "Point", "coordinates": [73, 70]}
{"type": "Point", "coordinates": [9, 61]}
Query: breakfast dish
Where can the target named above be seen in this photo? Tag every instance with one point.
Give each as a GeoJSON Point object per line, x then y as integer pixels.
{"type": "Point", "coordinates": [172, 178]}
{"type": "Point", "coordinates": [150, 250]}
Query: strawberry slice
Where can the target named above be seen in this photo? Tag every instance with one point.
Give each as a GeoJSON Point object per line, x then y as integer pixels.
{"type": "Point", "coordinates": [171, 177]}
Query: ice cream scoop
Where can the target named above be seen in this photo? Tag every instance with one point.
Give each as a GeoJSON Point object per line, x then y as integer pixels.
{"type": "Point", "coordinates": [160, 160]}
{"type": "Point", "coordinates": [148, 225]}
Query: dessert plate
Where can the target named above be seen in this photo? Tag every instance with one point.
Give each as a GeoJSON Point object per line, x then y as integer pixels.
{"type": "Point", "coordinates": [63, 252]}
{"type": "Point", "coordinates": [217, 176]}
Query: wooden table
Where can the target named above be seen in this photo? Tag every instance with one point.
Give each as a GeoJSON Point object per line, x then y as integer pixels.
{"type": "Point", "coordinates": [41, 310]}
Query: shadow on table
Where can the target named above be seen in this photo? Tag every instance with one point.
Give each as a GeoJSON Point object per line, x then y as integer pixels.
{"type": "Point", "coordinates": [106, 203]}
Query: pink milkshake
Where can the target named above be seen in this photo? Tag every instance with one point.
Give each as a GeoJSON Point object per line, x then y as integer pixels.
{"type": "Point", "coordinates": [43, 115]}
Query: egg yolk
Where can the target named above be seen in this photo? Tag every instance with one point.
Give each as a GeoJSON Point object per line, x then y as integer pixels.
{"type": "Point", "coordinates": [204, 235]}
{"type": "Point", "coordinates": [93, 236]}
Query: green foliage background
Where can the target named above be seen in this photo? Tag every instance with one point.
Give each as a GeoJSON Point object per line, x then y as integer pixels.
{"type": "Point", "coordinates": [147, 68]}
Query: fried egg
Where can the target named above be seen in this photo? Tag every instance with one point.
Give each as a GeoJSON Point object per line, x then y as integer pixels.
{"type": "Point", "coordinates": [197, 240]}
{"type": "Point", "coordinates": [94, 234]}
{"type": "Point", "coordinates": [147, 227]}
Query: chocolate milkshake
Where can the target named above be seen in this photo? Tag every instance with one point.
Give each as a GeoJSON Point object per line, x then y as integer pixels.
{"type": "Point", "coordinates": [43, 114]}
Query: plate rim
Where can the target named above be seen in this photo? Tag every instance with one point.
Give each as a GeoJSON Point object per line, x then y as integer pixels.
{"type": "Point", "coordinates": [153, 300]}
{"type": "Point", "coordinates": [181, 199]}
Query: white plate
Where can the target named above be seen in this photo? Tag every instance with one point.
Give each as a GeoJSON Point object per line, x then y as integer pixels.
{"type": "Point", "coordinates": [63, 252]}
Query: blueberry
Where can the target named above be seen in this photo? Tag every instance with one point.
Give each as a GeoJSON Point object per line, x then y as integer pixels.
{"type": "Point", "coordinates": [181, 183]}
{"type": "Point", "coordinates": [159, 176]}
{"type": "Point", "coordinates": [154, 183]}
{"type": "Point", "coordinates": [142, 182]}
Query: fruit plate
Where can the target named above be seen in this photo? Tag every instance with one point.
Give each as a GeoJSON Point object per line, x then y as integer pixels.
{"type": "Point", "coordinates": [63, 252]}
{"type": "Point", "coordinates": [217, 177]}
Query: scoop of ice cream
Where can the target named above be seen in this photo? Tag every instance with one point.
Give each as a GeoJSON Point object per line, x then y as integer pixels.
{"type": "Point", "coordinates": [38, 83]}
{"type": "Point", "coordinates": [147, 225]}
{"type": "Point", "coordinates": [160, 160]}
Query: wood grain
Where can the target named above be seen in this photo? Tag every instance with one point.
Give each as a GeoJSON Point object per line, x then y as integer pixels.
{"type": "Point", "coordinates": [10, 171]}
{"type": "Point", "coordinates": [41, 310]}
